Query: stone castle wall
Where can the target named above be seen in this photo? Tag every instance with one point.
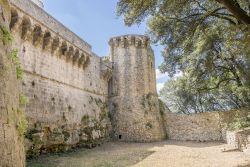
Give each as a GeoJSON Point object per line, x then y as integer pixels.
{"type": "Point", "coordinates": [209, 126]}
{"type": "Point", "coordinates": [65, 82]}
{"type": "Point", "coordinates": [77, 98]}
{"type": "Point", "coordinates": [134, 102]}
{"type": "Point", "coordinates": [11, 117]}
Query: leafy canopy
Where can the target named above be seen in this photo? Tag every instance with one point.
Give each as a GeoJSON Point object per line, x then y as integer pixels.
{"type": "Point", "coordinates": [208, 41]}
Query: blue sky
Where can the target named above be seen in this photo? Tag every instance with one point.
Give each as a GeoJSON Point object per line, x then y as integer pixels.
{"type": "Point", "coordinates": [96, 22]}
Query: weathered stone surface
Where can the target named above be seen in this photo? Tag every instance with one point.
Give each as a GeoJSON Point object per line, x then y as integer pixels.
{"type": "Point", "coordinates": [64, 80]}
{"type": "Point", "coordinates": [73, 94]}
{"type": "Point", "coordinates": [38, 2]}
{"type": "Point", "coordinates": [11, 141]}
{"type": "Point", "coordinates": [133, 99]}
{"type": "Point", "coordinates": [210, 126]}
{"type": "Point", "coordinates": [239, 139]}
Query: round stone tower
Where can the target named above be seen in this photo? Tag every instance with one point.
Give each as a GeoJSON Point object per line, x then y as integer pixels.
{"type": "Point", "coordinates": [134, 103]}
{"type": "Point", "coordinates": [38, 3]}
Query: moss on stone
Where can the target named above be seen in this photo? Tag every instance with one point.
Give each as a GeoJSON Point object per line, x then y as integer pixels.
{"type": "Point", "coordinates": [23, 100]}
{"type": "Point", "coordinates": [22, 123]}
{"type": "Point", "coordinates": [6, 36]}
{"type": "Point", "coordinates": [15, 59]}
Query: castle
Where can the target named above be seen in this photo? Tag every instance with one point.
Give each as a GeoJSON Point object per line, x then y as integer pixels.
{"type": "Point", "coordinates": [76, 98]}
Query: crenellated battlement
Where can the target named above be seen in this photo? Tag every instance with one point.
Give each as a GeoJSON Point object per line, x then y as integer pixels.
{"type": "Point", "coordinates": [130, 40]}
{"type": "Point", "coordinates": [72, 92]}
{"type": "Point", "coordinates": [40, 34]}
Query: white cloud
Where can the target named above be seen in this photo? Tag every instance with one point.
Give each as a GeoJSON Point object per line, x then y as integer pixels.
{"type": "Point", "coordinates": [159, 86]}
{"type": "Point", "coordinates": [160, 75]}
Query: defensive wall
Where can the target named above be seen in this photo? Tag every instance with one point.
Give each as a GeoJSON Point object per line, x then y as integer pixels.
{"type": "Point", "coordinates": [64, 81]}
{"type": "Point", "coordinates": [76, 98]}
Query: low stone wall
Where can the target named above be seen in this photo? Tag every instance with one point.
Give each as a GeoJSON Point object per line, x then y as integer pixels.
{"type": "Point", "coordinates": [210, 126]}
{"type": "Point", "coordinates": [239, 139]}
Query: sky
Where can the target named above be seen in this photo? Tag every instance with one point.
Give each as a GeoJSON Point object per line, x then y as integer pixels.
{"type": "Point", "coordinates": [95, 21]}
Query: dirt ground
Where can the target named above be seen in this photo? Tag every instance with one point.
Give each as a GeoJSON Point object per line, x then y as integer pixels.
{"type": "Point", "coordinates": [160, 154]}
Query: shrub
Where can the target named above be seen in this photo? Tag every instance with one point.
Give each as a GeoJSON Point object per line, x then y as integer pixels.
{"type": "Point", "coordinates": [16, 61]}
{"type": "Point", "coordinates": [23, 100]}
{"type": "Point", "coordinates": [5, 35]}
{"type": "Point", "coordinates": [22, 123]}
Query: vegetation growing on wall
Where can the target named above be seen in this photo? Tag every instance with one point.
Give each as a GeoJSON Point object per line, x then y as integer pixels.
{"type": "Point", "coordinates": [239, 122]}
{"type": "Point", "coordinates": [15, 59]}
{"type": "Point", "coordinates": [5, 35]}
{"type": "Point", "coordinates": [7, 39]}
{"type": "Point", "coordinates": [23, 100]}
{"type": "Point", "coordinates": [22, 123]}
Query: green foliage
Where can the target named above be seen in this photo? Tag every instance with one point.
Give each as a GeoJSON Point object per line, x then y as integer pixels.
{"type": "Point", "coordinates": [6, 36]}
{"type": "Point", "coordinates": [23, 100]}
{"type": "Point", "coordinates": [206, 42]}
{"type": "Point", "coordinates": [15, 59]}
{"type": "Point", "coordinates": [183, 95]}
{"type": "Point", "coordinates": [22, 123]}
{"type": "Point", "coordinates": [239, 122]}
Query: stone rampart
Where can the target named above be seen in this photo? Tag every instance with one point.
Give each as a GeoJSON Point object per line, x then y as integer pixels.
{"type": "Point", "coordinates": [12, 120]}
{"type": "Point", "coordinates": [209, 126]}
{"type": "Point", "coordinates": [66, 84]}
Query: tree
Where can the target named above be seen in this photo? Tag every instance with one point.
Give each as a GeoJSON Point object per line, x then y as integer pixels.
{"type": "Point", "coordinates": [206, 40]}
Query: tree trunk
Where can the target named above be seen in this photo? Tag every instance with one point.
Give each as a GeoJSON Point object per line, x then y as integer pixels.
{"type": "Point", "coordinates": [239, 13]}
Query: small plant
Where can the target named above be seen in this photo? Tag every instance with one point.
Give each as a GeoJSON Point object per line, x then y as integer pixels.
{"type": "Point", "coordinates": [6, 35]}
{"type": "Point", "coordinates": [22, 123]}
{"type": "Point", "coordinates": [23, 100]}
{"type": "Point", "coordinates": [16, 61]}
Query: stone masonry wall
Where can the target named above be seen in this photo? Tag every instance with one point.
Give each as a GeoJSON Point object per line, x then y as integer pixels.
{"type": "Point", "coordinates": [64, 82]}
{"type": "Point", "coordinates": [134, 102]}
{"type": "Point", "coordinates": [11, 138]}
{"type": "Point", "coordinates": [239, 139]}
{"type": "Point", "coordinates": [209, 126]}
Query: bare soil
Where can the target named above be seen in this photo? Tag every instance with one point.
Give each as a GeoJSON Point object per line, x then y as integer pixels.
{"type": "Point", "coordinates": [160, 154]}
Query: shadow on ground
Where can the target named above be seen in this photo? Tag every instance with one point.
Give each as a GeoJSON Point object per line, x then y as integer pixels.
{"type": "Point", "coordinates": [113, 154]}
{"type": "Point", "coordinates": [159, 154]}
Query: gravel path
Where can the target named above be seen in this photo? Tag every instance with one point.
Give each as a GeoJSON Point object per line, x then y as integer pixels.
{"type": "Point", "coordinates": [160, 154]}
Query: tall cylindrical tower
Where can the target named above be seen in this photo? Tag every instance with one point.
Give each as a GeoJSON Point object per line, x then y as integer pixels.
{"type": "Point", "coordinates": [134, 103]}
{"type": "Point", "coordinates": [38, 3]}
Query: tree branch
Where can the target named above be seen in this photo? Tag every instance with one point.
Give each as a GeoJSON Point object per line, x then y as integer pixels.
{"type": "Point", "coordinates": [238, 12]}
